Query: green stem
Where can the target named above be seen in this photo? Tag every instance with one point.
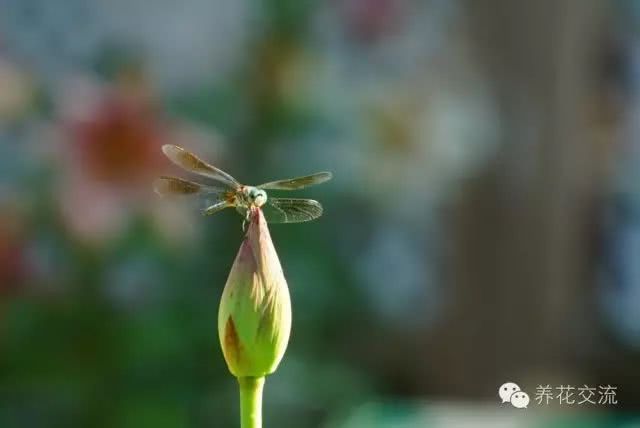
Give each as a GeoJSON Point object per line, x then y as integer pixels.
{"type": "Point", "coordinates": [251, 401]}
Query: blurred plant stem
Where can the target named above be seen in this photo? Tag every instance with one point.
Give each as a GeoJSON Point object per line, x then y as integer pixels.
{"type": "Point", "coordinates": [251, 401]}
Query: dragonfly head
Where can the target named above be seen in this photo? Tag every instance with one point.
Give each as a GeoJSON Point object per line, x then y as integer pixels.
{"type": "Point", "coordinates": [258, 197]}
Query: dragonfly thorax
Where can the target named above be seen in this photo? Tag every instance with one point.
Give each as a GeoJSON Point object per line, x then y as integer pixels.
{"type": "Point", "coordinates": [254, 196]}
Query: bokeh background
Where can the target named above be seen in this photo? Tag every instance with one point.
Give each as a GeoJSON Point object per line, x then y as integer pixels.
{"type": "Point", "coordinates": [483, 224]}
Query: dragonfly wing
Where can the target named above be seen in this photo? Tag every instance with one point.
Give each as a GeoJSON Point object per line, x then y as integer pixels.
{"type": "Point", "coordinates": [218, 206]}
{"type": "Point", "coordinates": [207, 196]}
{"type": "Point", "coordinates": [298, 182]}
{"type": "Point", "coordinates": [290, 210]}
{"type": "Point", "coordinates": [169, 186]}
{"type": "Point", "coordinates": [192, 163]}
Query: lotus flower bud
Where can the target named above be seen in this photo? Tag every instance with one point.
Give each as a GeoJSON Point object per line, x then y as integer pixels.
{"type": "Point", "coordinates": [254, 320]}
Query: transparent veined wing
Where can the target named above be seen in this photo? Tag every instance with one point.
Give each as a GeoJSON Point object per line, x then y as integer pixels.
{"type": "Point", "coordinates": [210, 199]}
{"type": "Point", "coordinates": [298, 182]}
{"type": "Point", "coordinates": [192, 163]}
{"type": "Point", "coordinates": [216, 207]}
{"type": "Point", "coordinates": [168, 186]}
{"type": "Point", "coordinates": [291, 210]}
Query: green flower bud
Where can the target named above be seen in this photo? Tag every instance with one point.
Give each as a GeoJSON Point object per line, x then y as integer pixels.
{"type": "Point", "coordinates": [254, 320]}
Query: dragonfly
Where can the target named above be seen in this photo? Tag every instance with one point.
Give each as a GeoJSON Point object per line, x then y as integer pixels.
{"type": "Point", "coordinates": [227, 192]}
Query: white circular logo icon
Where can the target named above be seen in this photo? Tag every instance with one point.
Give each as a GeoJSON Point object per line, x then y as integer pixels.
{"type": "Point", "coordinates": [520, 399]}
{"type": "Point", "coordinates": [506, 390]}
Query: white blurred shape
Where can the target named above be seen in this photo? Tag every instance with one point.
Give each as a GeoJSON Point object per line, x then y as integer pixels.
{"type": "Point", "coordinates": [181, 43]}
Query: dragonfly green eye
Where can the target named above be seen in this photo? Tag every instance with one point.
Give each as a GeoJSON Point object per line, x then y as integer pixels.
{"type": "Point", "coordinates": [260, 198]}
{"type": "Point", "coordinates": [257, 197]}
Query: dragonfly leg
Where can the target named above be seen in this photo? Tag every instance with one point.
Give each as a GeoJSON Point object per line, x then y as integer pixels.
{"type": "Point", "coordinates": [247, 218]}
